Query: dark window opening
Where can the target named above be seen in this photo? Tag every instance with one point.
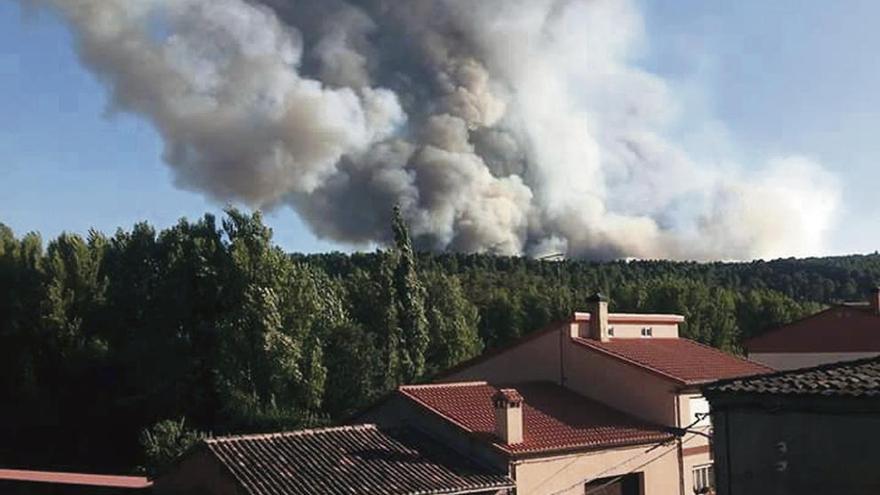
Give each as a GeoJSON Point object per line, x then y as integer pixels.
{"type": "Point", "coordinates": [630, 484]}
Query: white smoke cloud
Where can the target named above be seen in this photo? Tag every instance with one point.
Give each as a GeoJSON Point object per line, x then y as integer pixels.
{"type": "Point", "coordinates": [508, 126]}
{"type": "Point", "coordinates": [219, 80]}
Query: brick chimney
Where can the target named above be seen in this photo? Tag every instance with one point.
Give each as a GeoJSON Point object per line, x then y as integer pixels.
{"type": "Point", "coordinates": [597, 305]}
{"type": "Point", "coordinates": [508, 415]}
{"type": "Point", "coordinates": [874, 300]}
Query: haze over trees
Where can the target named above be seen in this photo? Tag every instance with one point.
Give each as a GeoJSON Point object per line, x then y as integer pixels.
{"type": "Point", "coordinates": [111, 342]}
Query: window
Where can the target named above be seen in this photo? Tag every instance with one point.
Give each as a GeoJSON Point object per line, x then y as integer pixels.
{"type": "Point", "coordinates": [704, 479]}
{"type": "Point", "coordinates": [647, 331]}
{"type": "Point", "coordinates": [630, 484]}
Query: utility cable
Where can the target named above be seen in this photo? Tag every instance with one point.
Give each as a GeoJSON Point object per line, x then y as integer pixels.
{"type": "Point", "coordinates": [678, 432]}
{"type": "Point", "coordinates": [618, 477]}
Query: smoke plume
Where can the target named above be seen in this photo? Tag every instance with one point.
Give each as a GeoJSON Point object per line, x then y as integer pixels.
{"type": "Point", "coordinates": [504, 126]}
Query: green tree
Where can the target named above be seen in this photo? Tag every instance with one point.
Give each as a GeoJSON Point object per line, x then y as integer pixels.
{"type": "Point", "coordinates": [102, 338]}
{"type": "Point", "coordinates": [259, 356]}
{"type": "Point", "coordinates": [760, 309]}
{"type": "Point", "coordinates": [354, 370]}
{"type": "Point", "coordinates": [75, 291]}
{"type": "Point", "coordinates": [411, 303]}
{"type": "Point", "coordinates": [453, 323]}
{"type": "Point", "coordinates": [390, 328]}
{"type": "Point", "coordinates": [164, 442]}
{"type": "Point", "coordinates": [22, 343]}
{"type": "Point", "coordinates": [177, 354]}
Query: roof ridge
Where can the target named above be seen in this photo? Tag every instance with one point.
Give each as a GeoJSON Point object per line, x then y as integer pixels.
{"type": "Point", "coordinates": [417, 386]}
{"type": "Point", "coordinates": [292, 433]}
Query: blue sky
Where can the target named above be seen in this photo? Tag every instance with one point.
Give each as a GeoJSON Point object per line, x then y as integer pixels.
{"type": "Point", "coordinates": [780, 77]}
{"type": "Point", "coordinates": [66, 166]}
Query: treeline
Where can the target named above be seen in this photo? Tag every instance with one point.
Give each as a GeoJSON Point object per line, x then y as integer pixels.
{"type": "Point", "coordinates": [103, 337]}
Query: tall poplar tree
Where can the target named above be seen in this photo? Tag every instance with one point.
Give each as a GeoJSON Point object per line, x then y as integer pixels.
{"type": "Point", "coordinates": [410, 302]}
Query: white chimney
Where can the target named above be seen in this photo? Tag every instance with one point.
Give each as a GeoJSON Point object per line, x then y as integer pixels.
{"type": "Point", "coordinates": [874, 300]}
{"type": "Point", "coordinates": [598, 308]}
{"type": "Point", "coordinates": [508, 415]}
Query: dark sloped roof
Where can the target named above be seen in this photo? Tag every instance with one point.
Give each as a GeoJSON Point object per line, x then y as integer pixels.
{"type": "Point", "coordinates": [843, 328]}
{"type": "Point", "coordinates": [860, 378]}
{"type": "Point", "coordinates": [360, 459]}
{"type": "Point", "coordinates": [681, 360]}
{"type": "Point", "coordinates": [554, 418]}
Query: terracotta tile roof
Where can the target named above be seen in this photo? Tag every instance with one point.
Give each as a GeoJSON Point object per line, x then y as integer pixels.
{"type": "Point", "coordinates": [844, 328]}
{"type": "Point", "coordinates": [681, 360]}
{"type": "Point", "coordinates": [860, 378]}
{"type": "Point", "coordinates": [83, 479]}
{"type": "Point", "coordinates": [353, 460]}
{"type": "Point", "coordinates": [554, 418]}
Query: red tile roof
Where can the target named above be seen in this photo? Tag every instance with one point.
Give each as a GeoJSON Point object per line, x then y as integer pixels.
{"type": "Point", "coordinates": [554, 418]}
{"type": "Point", "coordinates": [681, 360]}
{"type": "Point", "coordinates": [838, 329]}
{"type": "Point", "coordinates": [75, 478]}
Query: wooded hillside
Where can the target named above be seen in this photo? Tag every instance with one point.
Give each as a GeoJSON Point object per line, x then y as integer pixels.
{"type": "Point", "coordinates": [104, 337]}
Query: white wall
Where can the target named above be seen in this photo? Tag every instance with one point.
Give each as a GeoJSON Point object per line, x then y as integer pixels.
{"type": "Point", "coordinates": [566, 474]}
{"type": "Point", "coordinates": [629, 326]}
{"type": "Point", "coordinates": [534, 360]}
{"type": "Point", "coordinates": [620, 385]}
{"type": "Point", "coordinates": [695, 446]}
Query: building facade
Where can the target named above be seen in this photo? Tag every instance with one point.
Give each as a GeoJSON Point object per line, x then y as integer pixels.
{"type": "Point", "coordinates": [843, 332]}
{"type": "Point", "coordinates": [812, 430]}
{"type": "Point", "coordinates": [634, 367]}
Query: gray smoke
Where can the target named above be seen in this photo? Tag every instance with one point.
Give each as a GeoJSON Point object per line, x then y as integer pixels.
{"type": "Point", "coordinates": [507, 126]}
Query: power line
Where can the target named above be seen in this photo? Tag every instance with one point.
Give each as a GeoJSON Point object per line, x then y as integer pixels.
{"type": "Point", "coordinates": [618, 477]}
{"type": "Point", "coordinates": [686, 429]}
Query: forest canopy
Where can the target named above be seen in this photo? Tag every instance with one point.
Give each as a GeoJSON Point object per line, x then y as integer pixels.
{"type": "Point", "coordinates": [106, 342]}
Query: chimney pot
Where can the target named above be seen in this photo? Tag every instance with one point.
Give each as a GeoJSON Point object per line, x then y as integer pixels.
{"type": "Point", "coordinates": [598, 308]}
{"type": "Point", "coordinates": [508, 415]}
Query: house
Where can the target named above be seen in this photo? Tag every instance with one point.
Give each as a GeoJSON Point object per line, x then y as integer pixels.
{"type": "Point", "coordinates": [599, 401]}
{"type": "Point", "coordinates": [546, 436]}
{"type": "Point", "coordinates": [353, 460]}
{"type": "Point", "coordinates": [18, 481]}
{"type": "Point", "coordinates": [843, 332]}
{"type": "Point", "coordinates": [812, 430]}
